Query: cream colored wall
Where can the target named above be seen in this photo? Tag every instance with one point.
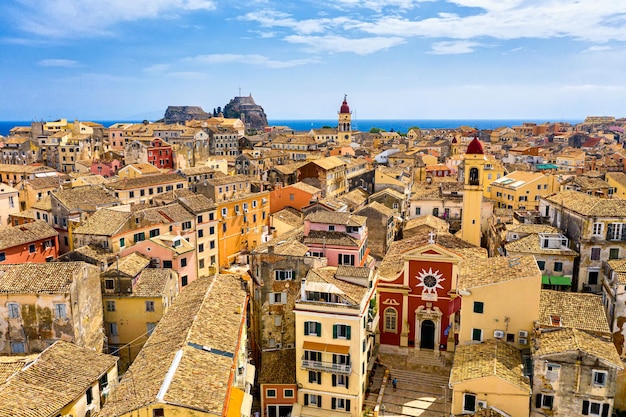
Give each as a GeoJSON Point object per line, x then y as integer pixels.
{"type": "Point", "coordinates": [169, 411]}
{"type": "Point", "coordinates": [498, 393]}
{"type": "Point", "coordinates": [517, 300]}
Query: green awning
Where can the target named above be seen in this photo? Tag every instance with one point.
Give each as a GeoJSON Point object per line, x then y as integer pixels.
{"type": "Point", "coordinates": [552, 280]}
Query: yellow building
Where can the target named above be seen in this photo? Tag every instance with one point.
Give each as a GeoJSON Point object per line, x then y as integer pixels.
{"type": "Point", "coordinates": [243, 222]}
{"type": "Point", "coordinates": [617, 182]}
{"type": "Point", "coordinates": [143, 188]}
{"type": "Point", "coordinates": [521, 190]}
{"type": "Point", "coordinates": [134, 298]}
{"type": "Point", "coordinates": [195, 363]}
{"type": "Point", "coordinates": [493, 170]}
{"type": "Point", "coordinates": [491, 290]}
{"type": "Point", "coordinates": [489, 375]}
{"type": "Point", "coordinates": [64, 379]}
{"type": "Point", "coordinates": [571, 160]}
{"type": "Point", "coordinates": [335, 320]}
{"type": "Point", "coordinates": [473, 168]}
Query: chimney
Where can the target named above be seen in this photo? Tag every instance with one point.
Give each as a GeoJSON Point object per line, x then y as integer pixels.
{"type": "Point", "coordinates": [270, 249]}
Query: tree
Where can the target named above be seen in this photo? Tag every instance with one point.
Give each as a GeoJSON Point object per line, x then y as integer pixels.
{"type": "Point", "coordinates": [376, 130]}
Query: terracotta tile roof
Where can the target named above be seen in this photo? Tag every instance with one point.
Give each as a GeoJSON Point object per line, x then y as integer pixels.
{"type": "Point", "coordinates": [290, 216]}
{"type": "Point", "coordinates": [24, 168]}
{"type": "Point", "coordinates": [278, 367]}
{"type": "Point", "coordinates": [45, 204]}
{"type": "Point", "coordinates": [104, 222]}
{"type": "Point", "coordinates": [209, 313]}
{"type": "Point", "coordinates": [197, 203]}
{"type": "Point", "coordinates": [381, 208]}
{"type": "Point", "coordinates": [556, 342]}
{"type": "Point", "coordinates": [581, 311]}
{"type": "Point", "coordinates": [288, 168]}
{"type": "Point", "coordinates": [531, 245]}
{"type": "Point", "coordinates": [48, 278]}
{"type": "Point", "coordinates": [286, 238]}
{"type": "Point", "coordinates": [86, 197]}
{"type": "Point", "coordinates": [305, 187]}
{"type": "Point", "coordinates": [618, 177]}
{"type": "Point", "coordinates": [489, 358]}
{"type": "Point", "coordinates": [43, 183]}
{"type": "Point", "coordinates": [26, 233]}
{"type": "Point", "coordinates": [351, 292]}
{"type": "Point", "coordinates": [95, 253]}
{"type": "Point", "coordinates": [320, 237]}
{"type": "Point", "coordinates": [170, 213]}
{"type": "Point", "coordinates": [429, 220]}
{"type": "Point", "coordinates": [531, 228]}
{"type": "Point", "coordinates": [331, 217]}
{"type": "Point", "coordinates": [144, 168]}
{"type": "Point", "coordinates": [353, 271]}
{"type": "Point", "coordinates": [390, 191]}
{"type": "Point", "coordinates": [130, 265]}
{"type": "Point", "coordinates": [9, 368]}
{"type": "Point", "coordinates": [60, 375]}
{"type": "Point", "coordinates": [152, 282]}
{"type": "Point", "coordinates": [480, 272]}
{"type": "Point", "coordinates": [202, 169]}
{"type": "Point", "coordinates": [393, 261]}
{"type": "Point", "coordinates": [228, 179]}
{"type": "Point", "coordinates": [588, 205]}
{"type": "Point", "coordinates": [145, 181]}
{"type": "Point", "coordinates": [329, 162]}
{"type": "Point", "coordinates": [25, 214]}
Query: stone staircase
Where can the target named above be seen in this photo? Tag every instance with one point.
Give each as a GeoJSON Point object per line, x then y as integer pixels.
{"type": "Point", "coordinates": [425, 361]}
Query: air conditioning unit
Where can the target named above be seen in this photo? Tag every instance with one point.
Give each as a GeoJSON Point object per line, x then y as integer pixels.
{"type": "Point", "coordinates": [498, 334]}
{"type": "Point", "coordinates": [523, 333]}
{"type": "Point", "coordinates": [523, 341]}
{"type": "Point", "coordinates": [481, 404]}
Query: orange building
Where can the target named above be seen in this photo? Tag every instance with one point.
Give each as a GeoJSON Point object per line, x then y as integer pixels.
{"type": "Point", "coordinates": [296, 195]}
{"type": "Point", "coordinates": [243, 224]}
{"type": "Point", "coordinates": [35, 242]}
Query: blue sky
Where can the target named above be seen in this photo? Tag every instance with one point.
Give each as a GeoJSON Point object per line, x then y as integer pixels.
{"type": "Point", "coordinates": [418, 59]}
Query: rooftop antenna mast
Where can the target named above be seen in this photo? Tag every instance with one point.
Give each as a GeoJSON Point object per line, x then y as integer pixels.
{"type": "Point", "coordinates": [239, 91]}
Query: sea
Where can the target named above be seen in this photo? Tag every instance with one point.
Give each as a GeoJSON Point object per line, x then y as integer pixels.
{"type": "Point", "coordinates": [388, 125]}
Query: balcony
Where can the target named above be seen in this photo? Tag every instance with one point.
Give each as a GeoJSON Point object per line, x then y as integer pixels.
{"type": "Point", "coordinates": [336, 368]}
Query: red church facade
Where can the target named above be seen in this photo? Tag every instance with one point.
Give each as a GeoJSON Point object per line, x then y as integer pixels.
{"type": "Point", "coordinates": [160, 154]}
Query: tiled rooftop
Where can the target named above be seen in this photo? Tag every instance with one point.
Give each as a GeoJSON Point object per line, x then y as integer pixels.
{"type": "Point", "coordinates": [588, 205]}
{"type": "Point", "coordinates": [581, 311]}
{"type": "Point", "coordinates": [104, 222]}
{"type": "Point", "coordinates": [531, 245]}
{"type": "Point", "coordinates": [279, 367]}
{"type": "Point", "coordinates": [152, 282]}
{"type": "Point", "coordinates": [208, 313]}
{"type": "Point", "coordinates": [26, 233]}
{"type": "Point", "coordinates": [475, 272]}
{"type": "Point", "coordinates": [320, 237]}
{"type": "Point", "coordinates": [47, 278]}
{"type": "Point", "coordinates": [556, 342]}
{"type": "Point", "coordinates": [130, 265]}
{"type": "Point", "coordinates": [489, 358]}
{"type": "Point", "coordinates": [351, 292]}
{"type": "Point", "coordinates": [145, 181]}
{"type": "Point", "coordinates": [331, 217]}
{"type": "Point", "coordinates": [60, 375]}
{"type": "Point", "coordinates": [87, 197]}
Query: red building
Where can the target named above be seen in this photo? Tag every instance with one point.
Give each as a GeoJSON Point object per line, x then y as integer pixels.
{"type": "Point", "coordinates": [35, 242]}
{"type": "Point", "coordinates": [160, 154]}
{"type": "Point", "coordinates": [417, 289]}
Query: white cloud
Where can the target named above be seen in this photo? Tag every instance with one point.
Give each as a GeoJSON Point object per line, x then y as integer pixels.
{"type": "Point", "coordinates": [66, 63]}
{"type": "Point", "coordinates": [258, 60]}
{"type": "Point", "coordinates": [335, 44]}
{"type": "Point", "coordinates": [453, 47]}
{"type": "Point", "coordinates": [598, 48]}
{"type": "Point", "coordinates": [72, 18]}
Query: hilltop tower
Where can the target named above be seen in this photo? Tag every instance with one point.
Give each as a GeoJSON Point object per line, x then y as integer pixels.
{"type": "Point", "coordinates": [344, 128]}
{"type": "Point", "coordinates": [472, 175]}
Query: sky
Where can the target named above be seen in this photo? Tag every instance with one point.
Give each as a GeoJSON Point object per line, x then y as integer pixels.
{"type": "Point", "coordinates": [394, 59]}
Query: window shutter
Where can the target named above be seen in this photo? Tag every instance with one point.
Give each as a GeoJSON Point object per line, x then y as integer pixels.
{"type": "Point", "coordinates": [271, 297]}
{"type": "Point", "coordinates": [538, 401]}
{"type": "Point", "coordinates": [585, 408]}
{"type": "Point", "coordinates": [319, 401]}
{"type": "Point", "coordinates": [306, 399]}
{"type": "Point", "coordinates": [605, 410]}
{"type": "Point", "coordinates": [347, 405]}
{"type": "Point", "coordinates": [318, 328]}
{"type": "Point", "coordinates": [347, 379]}
{"type": "Point", "coordinates": [334, 380]}
{"type": "Point", "coordinates": [334, 331]}
{"type": "Point", "coordinates": [333, 403]}
{"type": "Point", "coordinates": [283, 298]}
{"type": "Point", "coordinates": [306, 328]}
{"type": "Point", "coordinates": [348, 331]}
{"type": "Point", "coordinates": [319, 379]}
{"type": "Point", "coordinates": [311, 376]}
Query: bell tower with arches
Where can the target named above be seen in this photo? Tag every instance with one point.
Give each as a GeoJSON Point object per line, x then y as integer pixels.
{"type": "Point", "coordinates": [344, 127]}
{"type": "Point", "coordinates": [472, 176]}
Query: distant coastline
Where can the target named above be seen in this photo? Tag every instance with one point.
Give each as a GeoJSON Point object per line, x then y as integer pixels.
{"type": "Point", "coordinates": [398, 125]}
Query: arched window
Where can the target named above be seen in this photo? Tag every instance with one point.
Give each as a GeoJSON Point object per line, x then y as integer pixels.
{"type": "Point", "coordinates": [391, 320]}
{"type": "Point", "coordinates": [473, 176]}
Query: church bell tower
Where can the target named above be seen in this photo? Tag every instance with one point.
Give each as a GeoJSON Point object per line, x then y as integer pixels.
{"type": "Point", "coordinates": [472, 175]}
{"type": "Point", "coordinates": [344, 128]}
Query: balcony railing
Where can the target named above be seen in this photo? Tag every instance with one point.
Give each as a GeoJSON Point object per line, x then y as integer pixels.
{"type": "Point", "coordinates": [337, 368]}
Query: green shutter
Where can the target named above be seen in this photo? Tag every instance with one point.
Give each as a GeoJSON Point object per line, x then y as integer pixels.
{"type": "Point", "coordinates": [311, 373]}
{"type": "Point", "coordinates": [348, 328]}
{"type": "Point", "coordinates": [318, 328]}
{"type": "Point", "coordinates": [334, 331]}
{"type": "Point", "coordinates": [306, 328]}
{"type": "Point", "coordinates": [333, 403]}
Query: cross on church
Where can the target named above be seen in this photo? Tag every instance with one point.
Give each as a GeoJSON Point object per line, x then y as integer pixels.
{"type": "Point", "coordinates": [431, 237]}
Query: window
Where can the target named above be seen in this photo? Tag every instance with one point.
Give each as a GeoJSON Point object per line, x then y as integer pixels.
{"type": "Point", "coordinates": [597, 229]}
{"type": "Point", "coordinates": [31, 248]}
{"type": "Point", "coordinates": [158, 412]}
{"type": "Point", "coordinates": [154, 232]}
{"type": "Point", "coordinates": [183, 262]}
{"type": "Point", "coordinates": [391, 320]}
{"type": "Point", "coordinates": [280, 275]}
{"type": "Point", "coordinates": [60, 311]}
{"type": "Point", "coordinates": [552, 371]}
{"type": "Point", "coordinates": [17, 347]}
{"type": "Point", "coordinates": [292, 197]}
{"type": "Point", "coordinates": [201, 247]}
{"type": "Point", "coordinates": [312, 328]}
{"type": "Point", "coordinates": [331, 227]}
{"type": "Point", "coordinates": [149, 305]}
{"type": "Point", "coordinates": [200, 219]}
{"type": "Point", "coordinates": [477, 335]}
{"type": "Point", "coordinates": [270, 393]}
{"type": "Point", "coordinates": [614, 253]}
{"type": "Point", "coordinates": [558, 267]}
{"type": "Point", "coordinates": [592, 277]}
{"type": "Point", "coordinates": [599, 378]}
{"type": "Point", "coordinates": [541, 265]}
{"type": "Point", "coordinates": [544, 401]}
{"type": "Point", "coordinates": [109, 284]}
{"type": "Point", "coordinates": [112, 329]}
{"type": "Point", "coordinates": [138, 237]}
{"type": "Point", "coordinates": [278, 298]}
{"type": "Point", "coordinates": [212, 230]}
{"type": "Point", "coordinates": [200, 233]}
{"type": "Point", "coordinates": [313, 400]}
{"type": "Point", "coordinates": [150, 328]}
{"type": "Point", "coordinates": [315, 377]}
{"type": "Point", "coordinates": [341, 331]}
{"type": "Point", "coordinates": [340, 404]}
{"type": "Point", "coordinates": [89, 396]}
{"type": "Point", "coordinates": [345, 259]}
{"type": "Point", "coordinates": [224, 212]}
{"type": "Point", "coordinates": [14, 310]}
{"type": "Point", "coordinates": [184, 280]}
{"type": "Point", "coordinates": [186, 225]}
{"type": "Point", "coordinates": [469, 403]}
{"type": "Point", "coordinates": [591, 408]}
{"type": "Point", "coordinates": [418, 211]}
{"type": "Point", "coordinates": [614, 231]}
{"type": "Point", "coordinates": [479, 307]}
{"type": "Point", "coordinates": [201, 263]}
{"type": "Point", "coordinates": [167, 264]}
{"type": "Point", "coordinates": [288, 393]}
{"type": "Point", "coordinates": [122, 242]}
{"type": "Point", "coordinates": [595, 254]}
{"type": "Point", "coordinates": [110, 305]}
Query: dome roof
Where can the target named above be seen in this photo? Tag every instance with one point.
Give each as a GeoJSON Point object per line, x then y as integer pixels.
{"type": "Point", "coordinates": [475, 147]}
{"type": "Point", "coordinates": [454, 140]}
{"type": "Point", "coordinates": [344, 106]}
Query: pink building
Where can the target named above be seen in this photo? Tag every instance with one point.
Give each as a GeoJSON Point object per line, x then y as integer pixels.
{"type": "Point", "coordinates": [169, 251]}
{"type": "Point", "coordinates": [105, 168]}
{"type": "Point", "coordinates": [339, 237]}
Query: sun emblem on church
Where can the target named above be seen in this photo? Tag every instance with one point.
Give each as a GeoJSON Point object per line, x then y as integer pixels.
{"type": "Point", "coordinates": [430, 280]}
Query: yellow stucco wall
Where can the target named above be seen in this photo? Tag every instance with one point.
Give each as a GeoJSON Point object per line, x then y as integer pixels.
{"type": "Point", "coordinates": [496, 392]}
